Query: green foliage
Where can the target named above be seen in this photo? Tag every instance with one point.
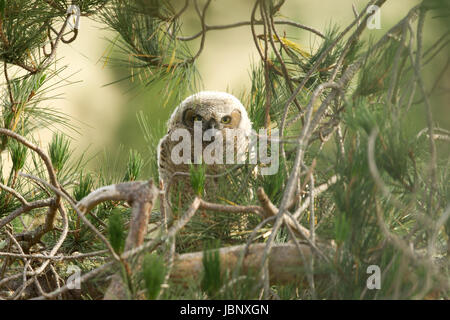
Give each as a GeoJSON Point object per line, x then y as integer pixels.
{"type": "Point", "coordinates": [212, 279]}
{"type": "Point", "coordinates": [376, 80]}
{"type": "Point", "coordinates": [116, 231]}
{"type": "Point", "coordinates": [342, 229]}
{"type": "Point", "coordinates": [257, 98]}
{"type": "Point", "coordinates": [18, 155]}
{"type": "Point", "coordinates": [112, 165]}
{"type": "Point", "coordinates": [326, 65]}
{"type": "Point", "coordinates": [23, 88]}
{"type": "Point", "coordinates": [198, 177]}
{"type": "Point", "coordinates": [59, 150]}
{"type": "Point", "coordinates": [2, 8]}
{"type": "Point", "coordinates": [441, 9]}
{"type": "Point", "coordinates": [24, 27]}
{"type": "Point", "coordinates": [146, 47]}
{"type": "Point", "coordinates": [87, 7]}
{"type": "Point", "coordinates": [134, 166]}
{"type": "Point", "coordinates": [84, 186]}
{"type": "Point", "coordinates": [25, 114]}
{"type": "Point", "coordinates": [152, 135]}
{"type": "Point", "coordinates": [381, 203]}
{"type": "Point", "coordinates": [153, 273]}
{"type": "Point", "coordinates": [273, 184]}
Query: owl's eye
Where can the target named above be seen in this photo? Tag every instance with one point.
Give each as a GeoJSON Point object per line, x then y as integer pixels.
{"type": "Point", "coordinates": [226, 120]}
{"type": "Point", "coordinates": [197, 118]}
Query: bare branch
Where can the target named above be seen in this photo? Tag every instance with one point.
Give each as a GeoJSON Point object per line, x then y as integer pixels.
{"type": "Point", "coordinates": [285, 262]}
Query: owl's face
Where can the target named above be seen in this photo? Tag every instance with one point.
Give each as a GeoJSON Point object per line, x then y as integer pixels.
{"type": "Point", "coordinates": [215, 110]}
{"type": "Point", "coordinates": [226, 144]}
{"type": "Point", "coordinates": [219, 119]}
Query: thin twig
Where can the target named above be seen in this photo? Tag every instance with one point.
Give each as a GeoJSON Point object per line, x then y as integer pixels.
{"type": "Point", "coordinates": [248, 23]}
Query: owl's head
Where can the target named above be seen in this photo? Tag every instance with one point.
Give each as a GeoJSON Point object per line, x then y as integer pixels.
{"type": "Point", "coordinates": [218, 110]}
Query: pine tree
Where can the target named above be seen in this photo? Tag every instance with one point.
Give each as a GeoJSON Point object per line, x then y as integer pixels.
{"type": "Point", "coordinates": [361, 181]}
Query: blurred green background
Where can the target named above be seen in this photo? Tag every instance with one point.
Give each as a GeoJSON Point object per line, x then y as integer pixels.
{"type": "Point", "coordinates": [106, 115]}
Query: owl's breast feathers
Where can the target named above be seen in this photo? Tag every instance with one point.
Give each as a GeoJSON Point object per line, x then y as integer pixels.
{"type": "Point", "coordinates": [204, 105]}
{"type": "Point", "coordinates": [167, 167]}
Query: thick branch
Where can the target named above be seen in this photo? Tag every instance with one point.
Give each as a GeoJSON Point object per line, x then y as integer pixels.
{"type": "Point", "coordinates": [286, 265]}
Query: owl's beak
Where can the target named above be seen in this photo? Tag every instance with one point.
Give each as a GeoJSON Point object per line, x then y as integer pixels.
{"type": "Point", "coordinates": [211, 124]}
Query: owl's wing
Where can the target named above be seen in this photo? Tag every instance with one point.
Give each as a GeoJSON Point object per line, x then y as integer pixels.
{"type": "Point", "coordinates": [165, 166]}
